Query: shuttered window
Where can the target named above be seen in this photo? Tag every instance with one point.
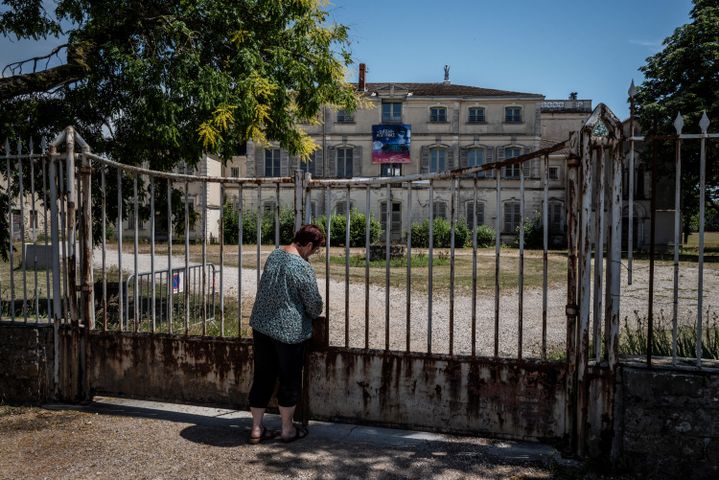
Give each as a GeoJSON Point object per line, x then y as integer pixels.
{"type": "Point", "coordinates": [272, 162]}
{"type": "Point", "coordinates": [308, 166]}
{"type": "Point", "coordinates": [344, 162]}
{"type": "Point", "coordinates": [511, 171]}
{"type": "Point", "coordinates": [511, 217]}
{"type": "Point", "coordinates": [476, 157]}
{"type": "Point", "coordinates": [512, 114]}
{"type": "Point", "coordinates": [555, 218]}
{"type": "Point", "coordinates": [437, 159]}
{"type": "Point", "coordinates": [469, 208]}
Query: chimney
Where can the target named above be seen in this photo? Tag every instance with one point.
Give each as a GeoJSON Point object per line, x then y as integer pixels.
{"type": "Point", "coordinates": [446, 75]}
{"type": "Point", "coordinates": [362, 71]}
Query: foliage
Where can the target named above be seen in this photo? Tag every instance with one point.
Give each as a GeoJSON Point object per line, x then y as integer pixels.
{"type": "Point", "coordinates": [633, 340]}
{"type": "Point", "coordinates": [419, 260]}
{"type": "Point", "coordinates": [441, 235]}
{"type": "Point", "coordinates": [684, 77]}
{"type": "Point", "coordinates": [533, 232]}
{"type": "Point", "coordinates": [358, 223]}
{"type": "Point", "coordinates": [486, 236]}
{"type": "Point", "coordinates": [161, 83]}
{"type": "Point", "coordinates": [231, 219]}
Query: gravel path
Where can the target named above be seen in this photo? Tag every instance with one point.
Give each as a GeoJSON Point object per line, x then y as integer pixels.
{"type": "Point", "coordinates": [634, 299]}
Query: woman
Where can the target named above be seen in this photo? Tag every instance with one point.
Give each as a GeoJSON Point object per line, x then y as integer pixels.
{"type": "Point", "coordinates": [287, 301]}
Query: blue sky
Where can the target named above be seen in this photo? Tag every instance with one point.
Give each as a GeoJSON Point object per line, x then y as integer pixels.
{"type": "Point", "coordinates": [550, 47]}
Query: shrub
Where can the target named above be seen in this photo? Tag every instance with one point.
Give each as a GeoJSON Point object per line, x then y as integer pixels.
{"type": "Point", "coordinates": [338, 225]}
{"type": "Point", "coordinates": [441, 234]}
{"type": "Point", "coordinates": [533, 232]}
{"type": "Point", "coordinates": [249, 226]}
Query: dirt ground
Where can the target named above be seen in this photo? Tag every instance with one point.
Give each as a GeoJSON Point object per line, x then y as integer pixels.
{"type": "Point", "coordinates": [118, 439]}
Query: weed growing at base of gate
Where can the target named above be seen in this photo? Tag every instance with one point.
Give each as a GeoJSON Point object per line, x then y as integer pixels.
{"type": "Point", "coordinates": [633, 339]}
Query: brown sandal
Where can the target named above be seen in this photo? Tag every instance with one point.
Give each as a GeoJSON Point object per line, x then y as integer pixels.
{"type": "Point", "coordinates": [264, 435]}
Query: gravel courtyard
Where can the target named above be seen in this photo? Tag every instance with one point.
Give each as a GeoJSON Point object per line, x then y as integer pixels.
{"type": "Point", "coordinates": [633, 304]}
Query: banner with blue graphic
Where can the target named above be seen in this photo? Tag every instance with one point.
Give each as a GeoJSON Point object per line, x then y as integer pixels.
{"type": "Point", "coordinates": [390, 143]}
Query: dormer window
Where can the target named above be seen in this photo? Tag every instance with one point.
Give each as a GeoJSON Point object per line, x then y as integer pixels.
{"type": "Point", "coordinates": [438, 114]}
{"type": "Point", "coordinates": [512, 114]}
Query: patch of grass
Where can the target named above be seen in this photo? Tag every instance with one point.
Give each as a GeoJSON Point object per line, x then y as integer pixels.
{"type": "Point", "coordinates": [711, 243]}
{"type": "Point", "coordinates": [633, 338]}
{"type": "Point", "coordinates": [419, 260]}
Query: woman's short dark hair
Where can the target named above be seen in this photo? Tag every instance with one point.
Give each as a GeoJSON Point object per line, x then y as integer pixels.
{"type": "Point", "coordinates": [309, 233]}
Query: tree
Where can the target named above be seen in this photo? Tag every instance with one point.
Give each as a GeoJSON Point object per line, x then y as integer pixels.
{"type": "Point", "coordinates": [169, 80]}
{"type": "Point", "coordinates": [161, 82]}
{"type": "Point", "coordinates": [684, 77]}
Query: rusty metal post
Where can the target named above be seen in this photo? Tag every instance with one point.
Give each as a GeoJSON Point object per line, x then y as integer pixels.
{"type": "Point", "coordinates": [71, 219]}
{"type": "Point", "coordinates": [614, 258]}
{"type": "Point", "coordinates": [571, 309]}
{"type": "Point", "coordinates": [88, 282]}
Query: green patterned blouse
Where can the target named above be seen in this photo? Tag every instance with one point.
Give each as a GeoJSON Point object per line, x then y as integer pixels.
{"type": "Point", "coordinates": [287, 298]}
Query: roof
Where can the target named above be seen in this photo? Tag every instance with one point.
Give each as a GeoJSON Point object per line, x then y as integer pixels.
{"type": "Point", "coordinates": [445, 90]}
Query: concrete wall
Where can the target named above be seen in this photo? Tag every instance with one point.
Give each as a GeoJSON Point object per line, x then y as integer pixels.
{"type": "Point", "coordinates": [502, 398]}
{"type": "Point", "coordinates": [671, 422]}
{"type": "Point", "coordinates": [26, 363]}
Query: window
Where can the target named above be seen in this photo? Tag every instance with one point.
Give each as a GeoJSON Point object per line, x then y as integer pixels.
{"type": "Point", "coordinates": [555, 218]}
{"type": "Point", "coordinates": [438, 114]}
{"type": "Point", "coordinates": [344, 116]}
{"type": "Point", "coordinates": [554, 173]}
{"type": "Point", "coordinates": [511, 171]}
{"type": "Point", "coordinates": [344, 162]}
{"type": "Point", "coordinates": [476, 158]}
{"type": "Point", "coordinates": [396, 226]}
{"type": "Point", "coordinates": [437, 159]}
{"type": "Point", "coordinates": [140, 223]}
{"type": "Point", "coordinates": [308, 166]}
{"type": "Point", "coordinates": [476, 115]}
{"type": "Point", "coordinates": [512, 114]}
{"type": "Point", "coordinates": [341, 207]}
{"type": "Point", "coordinates": [272, 162]}
{"type": "Point", "coordinates": [269, 208]}
{"type": "Point", "coordinates": [469, 208]}
{"type": "Point", "coordinates": [511, 217]}
{"type": "Point", "coordinates": [391, 112]}
{"type": "Point", "coordinates": [439, 209]}
{"type": "Point", "coordinates": [235, 172]}
{"type": "Point", "coordinates": [33, 218]}
{"type": "Point", "coordinates": [391, 170]}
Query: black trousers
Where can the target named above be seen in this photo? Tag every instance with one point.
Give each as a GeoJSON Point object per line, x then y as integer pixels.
{"type": "Point", "coordinates": [273, 360]}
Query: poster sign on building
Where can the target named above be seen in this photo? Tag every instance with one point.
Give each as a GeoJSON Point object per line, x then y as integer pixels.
{"type": "Point", "coordinates": [390, 143]}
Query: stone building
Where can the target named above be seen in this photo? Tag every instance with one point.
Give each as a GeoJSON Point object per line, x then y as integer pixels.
{"type": "Point", "coordinates": [447, 126]}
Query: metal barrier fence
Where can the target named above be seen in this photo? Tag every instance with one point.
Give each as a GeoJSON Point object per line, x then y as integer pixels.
{"type": "Point", "coordinates": [426, 308]}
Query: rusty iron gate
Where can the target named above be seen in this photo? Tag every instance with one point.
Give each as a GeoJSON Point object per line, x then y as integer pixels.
{"type": "Point", "coordinates": [398, 308]}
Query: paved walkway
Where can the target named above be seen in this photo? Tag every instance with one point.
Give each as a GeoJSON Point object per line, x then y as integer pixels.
{"type": "Point", "coordinates": [117, 438]}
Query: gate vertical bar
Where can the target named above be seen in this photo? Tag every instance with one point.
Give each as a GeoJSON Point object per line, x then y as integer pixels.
{"type": "Point", "coordinates": [498, 174]}
{"type": "Point", "coordinates": [520, 278]}
{"type": "Point", "coordinates": [614, 259]}
{"type": "Point", "coordinates": [170, 276]}
{"type": "Point", "coordinates": [153, 319]}
{"type": "Point", "coordinates": [571, 307]}
{"type": "Point", "coordinates": [12, 231]}
{"type": "Point", "coordinates": [240, 233]}
{"type": "Point", "coordinates": [222, 259]}
{"type": "Point", "coordinates": [474, 267]}
{"type": "Point", "coordinates": [430, 278]}
{"type": "Point", "coordinates": [45, 188]}
{"type": "Point", "coordinates": [452, 226]}
{"type": "Point", "coordinates": [328, 234]}
{"type": "Point", "coordinates": [203, 277]}
{"type": "Point", "coordinates": [33, 233]}
{"type": "Point", "coordinates": [259, 231]}
{"type": "Point", "coordinates": [678, 124]}
{"type": "Point", "coordinates": [186, 281]}
{"type": "Point", "coordinates": [388, 229]}
{"type": "Point", "coordinates": [135, 248]}
{"type": "Point", "coordinates": [408, 294]}
{"type": "Point", "coordinates": [704, 125]}
{"type": "Point", "coordinates": [347, 267]}
{"type": "Point", "coordinates": [630, 202]}
{"type": "Point", "coordinates": [545, 257]}
{"type": "Point", "coordinates": [120, 287]}
{"type": "Point", "coordinates": [21, 201]}
{"type": "Point", "coordinates": [368, 217]}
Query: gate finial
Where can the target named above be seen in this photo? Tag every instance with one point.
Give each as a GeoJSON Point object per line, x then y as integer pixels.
{"type": "Point", "coordinates": [679, 123]}
{"type": "Point", "coordinates": [704, 122]}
